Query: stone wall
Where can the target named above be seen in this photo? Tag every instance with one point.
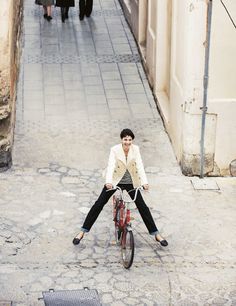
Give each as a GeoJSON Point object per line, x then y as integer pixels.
{"type": "Point", "coordinates": [10, 30]}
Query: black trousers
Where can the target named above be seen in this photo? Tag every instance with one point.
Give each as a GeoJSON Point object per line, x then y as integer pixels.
{"type": "Point", "coordinates": [85, 7]}
{"type": "Point", "coordinates": [103, 199]}
{"type": "Point", "coordinates": [65, 10]}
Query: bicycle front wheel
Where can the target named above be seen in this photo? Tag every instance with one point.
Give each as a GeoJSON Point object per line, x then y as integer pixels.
{"type": "Point", "coordinates": [127, 248]}
{"type": "Point", "coordinates": [117, 234]}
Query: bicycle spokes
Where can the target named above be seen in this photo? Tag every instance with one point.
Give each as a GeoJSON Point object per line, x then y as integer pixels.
{"type": "Point", "coordinates": [127, 248]}
{"type": "Point", "coordinates": [123, 231]}
{"type": "Point", "coordinates": [118, 232]}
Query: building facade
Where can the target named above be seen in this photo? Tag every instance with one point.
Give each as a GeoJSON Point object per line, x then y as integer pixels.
{"type": "Point", "coordinates": [10, 29]}
{"type": "Point", "coordinates": [188, 49]}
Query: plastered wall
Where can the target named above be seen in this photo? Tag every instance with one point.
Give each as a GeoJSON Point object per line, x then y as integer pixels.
{"type": "Point", "coordinates": [171, 36]}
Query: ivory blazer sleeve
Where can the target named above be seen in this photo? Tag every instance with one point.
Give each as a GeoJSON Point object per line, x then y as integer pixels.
{"type": "Point", "coordinates": [110, 167]}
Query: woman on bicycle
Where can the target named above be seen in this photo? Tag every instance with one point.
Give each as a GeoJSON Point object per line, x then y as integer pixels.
{"type": "Point", "coordinates": [125, 169]}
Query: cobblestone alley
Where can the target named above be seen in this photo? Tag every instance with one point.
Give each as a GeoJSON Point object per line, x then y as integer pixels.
{"type": "Point", "coordinates": [80, 83]}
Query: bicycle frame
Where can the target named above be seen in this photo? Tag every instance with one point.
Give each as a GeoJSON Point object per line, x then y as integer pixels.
{"type": "Point", "coordinates": [123, 205]}
{"type": "Point", "coordinates": [123, 229]}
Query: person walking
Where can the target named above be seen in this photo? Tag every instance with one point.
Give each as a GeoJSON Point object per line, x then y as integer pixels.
{"type": "Point", "coordinates": [85, 8]}
{"type": "Point", "coordinates": [65, 6]}
{"type": "Point", "coordinates": [47, 6]}
{"type": "Point", "coordinates": [125, 169]}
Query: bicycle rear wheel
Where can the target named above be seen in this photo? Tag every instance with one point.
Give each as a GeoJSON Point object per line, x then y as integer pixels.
{"type": "Point", "coordinates": [127, 248]}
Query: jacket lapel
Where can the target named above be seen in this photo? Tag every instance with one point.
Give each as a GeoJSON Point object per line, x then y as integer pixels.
{"type": "Point", "coordinates": [121, 154]}
{"type": "Point", "coordinates": [130, 155]}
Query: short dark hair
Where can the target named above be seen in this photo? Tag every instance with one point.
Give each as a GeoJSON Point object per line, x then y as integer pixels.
{"type": "Point", "coordinates": [126, 132]}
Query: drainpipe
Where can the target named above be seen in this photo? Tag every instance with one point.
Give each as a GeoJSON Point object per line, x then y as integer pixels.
{"type": "Point", "coordinates": [205, 85]}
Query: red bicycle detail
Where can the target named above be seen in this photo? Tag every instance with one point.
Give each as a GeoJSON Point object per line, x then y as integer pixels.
{"type": "Point", "coordinates": [123, 230]}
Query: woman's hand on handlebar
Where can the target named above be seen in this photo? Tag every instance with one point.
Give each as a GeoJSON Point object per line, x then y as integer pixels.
{"type": "Point", "coordinates": [109, 186]}
{"type": "Point", "coordinates": [146, 187]}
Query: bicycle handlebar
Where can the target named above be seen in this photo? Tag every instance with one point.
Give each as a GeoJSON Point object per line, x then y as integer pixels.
{"type": "Point", "coordinates": [121, 192]}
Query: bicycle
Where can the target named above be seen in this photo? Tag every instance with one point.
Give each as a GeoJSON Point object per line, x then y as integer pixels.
{"type": "Point", "coordinates": [123, 230]}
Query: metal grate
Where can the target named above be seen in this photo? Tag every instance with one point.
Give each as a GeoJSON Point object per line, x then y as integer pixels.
{"type": "Point", "coordinates": [73, 59]}
{"type": "Point", "coordinates": [204, 184]}
{"type": "Point", "coordinates": [85, 297]}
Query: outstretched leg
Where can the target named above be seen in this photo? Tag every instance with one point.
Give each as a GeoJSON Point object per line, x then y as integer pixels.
{"type": "Point", "coordinates": [147, 218]}
{"type": "Point", "coordinates": [94, 213]}
{"type": "Point", "coordinates": [97, 208]}
{"type": "Point", "coordinates": [145, 213]}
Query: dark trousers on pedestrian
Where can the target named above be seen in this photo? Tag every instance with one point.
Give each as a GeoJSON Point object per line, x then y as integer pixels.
{"type": "Point", "coordinates": [85, 7]}
{"type": "Point", "coordinates": [103, 199]}
{"type": "Point", "coordinates": [64, 12]}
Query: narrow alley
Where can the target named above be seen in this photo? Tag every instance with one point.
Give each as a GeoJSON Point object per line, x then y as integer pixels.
{"type": "Point", "coordinates": [80, 84]}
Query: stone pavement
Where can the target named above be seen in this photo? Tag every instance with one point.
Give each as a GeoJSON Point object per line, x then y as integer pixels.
{"type": "Point", "coordinates": [80, 84]}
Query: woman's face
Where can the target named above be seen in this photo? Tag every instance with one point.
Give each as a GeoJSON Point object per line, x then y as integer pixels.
{"type": "Point", "coordinates": [126, 142]}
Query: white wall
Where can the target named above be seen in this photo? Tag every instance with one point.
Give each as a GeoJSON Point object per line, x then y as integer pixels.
{"type": "Point", "coordinates": [172, 39]}
{"type": "Point", "coordinates": [222, 83]}
{"type": "Point", "coordinates": [186, 98]}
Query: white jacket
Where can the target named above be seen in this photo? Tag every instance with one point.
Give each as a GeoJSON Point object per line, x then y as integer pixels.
{"type": "Point", "coordinates": [117, 166]}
